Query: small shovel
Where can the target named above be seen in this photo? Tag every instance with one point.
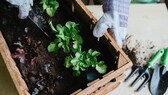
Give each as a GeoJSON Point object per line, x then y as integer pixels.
{"type": "Point", "coordinates": [158, 74]}
{"type": "Point", "coordinates": [38, 21]}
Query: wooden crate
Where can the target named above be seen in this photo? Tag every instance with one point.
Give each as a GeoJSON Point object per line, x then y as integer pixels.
{"type": "Point", "coordinates": [98, 86]}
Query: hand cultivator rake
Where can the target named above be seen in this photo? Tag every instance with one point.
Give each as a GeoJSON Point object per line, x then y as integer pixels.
{"type": "Point", "coordinates": [144, 71]}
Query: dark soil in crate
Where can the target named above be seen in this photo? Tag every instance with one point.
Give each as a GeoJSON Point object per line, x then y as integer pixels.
{"type": "Point", "coordinates": [44, 72]}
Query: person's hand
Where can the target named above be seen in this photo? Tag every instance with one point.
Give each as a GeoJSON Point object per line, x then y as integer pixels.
{"type": "Point", "coordinates": [111, 21]}
{"type": "Point", "coordinates": [115, 19]}
{"type": "Point", "coordinates": [23, 5]}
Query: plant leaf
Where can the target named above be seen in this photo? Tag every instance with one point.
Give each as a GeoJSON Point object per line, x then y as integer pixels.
{"type": "Point", "coordinates": [75, 45]}
{"type": "Point", "coordinates": [74, 61]}
{"type": "Point", "coordinates": [77, 55]}
{"type": "Point", "coordinates": [66, 48]}
{"type": "Point", "coordinates": [76, 73]}
{"type": "Point", "coordinates": [95, 53]}
{"type": "Point", "coordinates": [78, 38]}
{"type": "Point", "coordinates": [43, 1]}
{"type": "Point", "coordinates": [60, 28]}
{"type": "Point", "coordinates": [50, 12]}
{"type": "Point", "coordinates": [70, 24]}
{"type": "Point", "coordinates": [63, 37]}
{"type": "Point", "coordinates": [52, 27]}
{"type": "Point", "coordinates": [60, 44]}
{"type": "Point", "coordinates": [50, 6]}
{"type": "Point", "coordinates": [55, 5]}
{"type": "Point", "coordinates": [82, 68]}
{"type": "Point", "coordinates": [74, 32]}
{"type": "Point", "coordinates": [76, 67]}
{"type": "Point", "coordinates": [90, 51]}
{"type": "Point", "coordinates": [44, 6]}
{"type": "Point", "coordinates": [52, 47]}
{"type": "Point", "coordinates": [101, 68]}
{"type": "Point", "coordinates": [67, 62]}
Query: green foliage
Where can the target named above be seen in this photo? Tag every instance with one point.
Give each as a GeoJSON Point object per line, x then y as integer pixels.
{"type": "Point", "coordinates": [101, 67]}
{"type": "Point", "coordinates": [78, 60]}
{"type": "Point", "coordinates": [50, 6]}
{"type": "Point", "coordinates": [63, 36]}
{"type": "Point", "coordinates": [53, 47]}
{"type": "Point", "coordinates": [84, 60]}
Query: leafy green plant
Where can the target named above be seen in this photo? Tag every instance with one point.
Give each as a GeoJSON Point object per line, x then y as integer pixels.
{"type": "Point", "coordinates": [81, 61]}
{"type": "Point", "coordinates": [66, 37]}
{"type": "Point", "coordinates": [50, 6]}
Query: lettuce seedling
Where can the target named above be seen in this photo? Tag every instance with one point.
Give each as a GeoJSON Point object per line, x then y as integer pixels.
{"type": "Point", "coordinates": [81, 61]}
{"type": "Point", "coordinates": [50, 6]}
{"type": "Point", "coordinates": [66, 37]}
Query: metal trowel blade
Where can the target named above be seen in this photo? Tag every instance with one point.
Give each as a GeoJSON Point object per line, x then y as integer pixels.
{"type": "Point", "coordinates": [163, 84]}
{"type": "Point", "coordinates": [155, 80]}
{"type": "Point", "coordinates": [38, 21]}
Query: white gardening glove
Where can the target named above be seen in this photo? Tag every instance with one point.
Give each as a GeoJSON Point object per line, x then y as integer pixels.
{"type": "Point", "coordinates": [23, 5]}
{"type": "Point", "coordinates": [115, 17]}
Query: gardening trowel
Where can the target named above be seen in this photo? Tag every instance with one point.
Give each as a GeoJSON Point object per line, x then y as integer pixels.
{"type": "Point", "coordinates": [163, 84]}
{"type": "Point", "coordinates": [38, 21]}
{"type": "Point", "coordinates": [158, 74]}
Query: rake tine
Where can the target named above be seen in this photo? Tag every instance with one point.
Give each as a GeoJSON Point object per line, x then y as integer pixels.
{"type": "Point", "coordinates": [132, 73]}
{"type": "Point", "coordinates": [144, 83]}
{"type": "Point", "coordinates": [138, 78]}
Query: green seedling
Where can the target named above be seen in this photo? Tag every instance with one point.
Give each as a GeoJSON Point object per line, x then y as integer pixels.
{"type": "Point", "coordinates": [81, 61]}
{"type": "Point", "coordinates": [50, 6]}
{"type": "Point", "coordinates": [66, 37]}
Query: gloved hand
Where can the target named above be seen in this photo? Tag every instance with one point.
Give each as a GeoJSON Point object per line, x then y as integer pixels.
{"type": "Point", "coordinates": [115, 18]}
{"type": "Point", "coordinates": [23, 5]}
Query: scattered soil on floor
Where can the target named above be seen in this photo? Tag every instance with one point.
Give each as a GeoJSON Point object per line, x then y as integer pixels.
{"type": "Point", "coordinates": [138, 54]}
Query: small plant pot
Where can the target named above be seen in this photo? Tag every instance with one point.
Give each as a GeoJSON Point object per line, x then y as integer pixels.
{"type": "Point", "coordinates": [92, 75]}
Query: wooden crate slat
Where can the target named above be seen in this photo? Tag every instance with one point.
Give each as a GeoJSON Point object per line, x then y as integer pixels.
{"type": "Point", "coordinates": [77, 91]}
{"type": "Point", "coordinates": [105, 80]}
{"type": "Point", "coordinates": [11, 66]}
{"type": "Point", "coordinates": [110, 86]}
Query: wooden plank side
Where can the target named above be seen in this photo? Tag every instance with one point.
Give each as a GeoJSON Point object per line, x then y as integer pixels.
{"type": "Point", "coordinates": [110, 86]}
{"type": "Point", "coordinates": [13, 70]}
{"type": "Point", "coordinates": [121, 61]}
{"type": "Point", "coordinates": [105, 80]}
{"type": "Point", "coordinates": [77, 91]}
{"type": "Point", "coordinates": [86, 11]}
{"type": "Point", "coordinates": [90, 83]}
{"type": "Point", "coordinates": [114, 44]}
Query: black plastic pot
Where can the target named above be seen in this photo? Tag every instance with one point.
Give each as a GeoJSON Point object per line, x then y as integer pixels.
{"type": "Point", "coordinates": [92, 75]}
